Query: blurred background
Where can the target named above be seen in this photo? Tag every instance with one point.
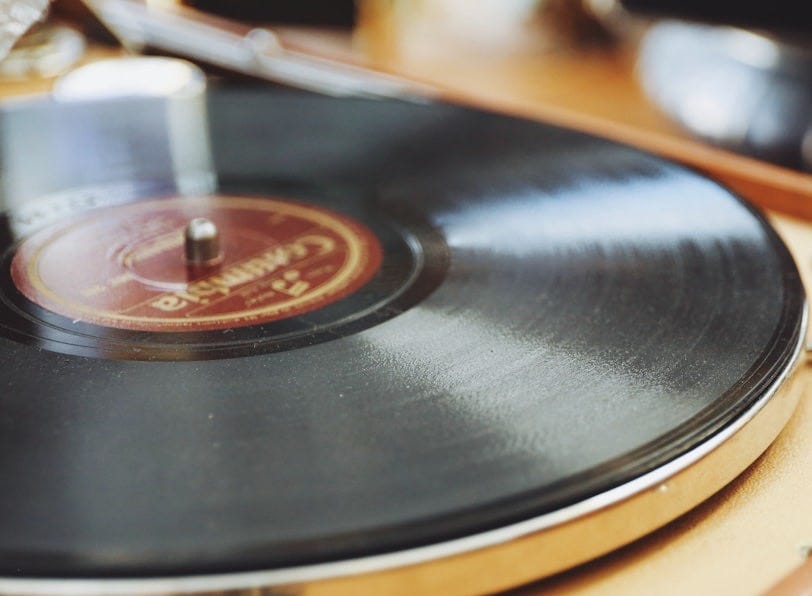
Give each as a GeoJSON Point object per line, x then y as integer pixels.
{"type": "Point", "coordinates": [679, 77]}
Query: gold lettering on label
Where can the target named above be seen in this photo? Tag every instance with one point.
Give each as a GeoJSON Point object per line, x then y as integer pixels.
{"type": "Point", "coordinates": [232, 277]}
{"type": "Point", "coordinates": [203, 289]}
{"type": "Point", "coordinates": [259, 298]}
{"type": "Point", "coordinates": [168, 303]}
{"type": "Point", "coordinates": [290, 284]}
{"type": "Point", "coordinates": [319, 271]}
{"type": "Point", "coordinates": [323, 243]}
{"type": "Point", "coordinates": [253, 269]}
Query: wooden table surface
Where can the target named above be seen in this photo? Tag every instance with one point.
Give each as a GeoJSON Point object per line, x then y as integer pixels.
{"type": "Point", "coordinates": [754, 531]}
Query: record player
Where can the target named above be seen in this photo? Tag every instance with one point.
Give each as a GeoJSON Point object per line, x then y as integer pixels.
{"type": "Point", "coordinates": [257, 339]}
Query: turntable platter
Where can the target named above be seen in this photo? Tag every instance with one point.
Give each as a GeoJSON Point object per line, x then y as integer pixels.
{"type": "Point", "coordinates": [555, 325]}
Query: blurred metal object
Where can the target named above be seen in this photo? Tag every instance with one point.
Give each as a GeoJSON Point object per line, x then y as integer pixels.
{"type": "Point", "coordinates": [749, 92]}
{"type": "Point", "coordinates": [250, 51]}
{"type": "Point", "coordinates": [45, 51]}
{"type": "Point", "coordinates": [111, 131]}
{"type": "Point", "coordinates": [744, 90]}
{"type": "Point", "coordinates": [175, 90]}
{"type": "Point", "coordinates": [143, 76]}
{"type": "Point", "coordinates": [202, 243]}
{"type": "Point", "coordinates": [16, 16]}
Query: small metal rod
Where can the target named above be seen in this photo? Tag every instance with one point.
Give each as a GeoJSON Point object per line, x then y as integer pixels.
{"type": "Point", "coordinates": [202, 243]}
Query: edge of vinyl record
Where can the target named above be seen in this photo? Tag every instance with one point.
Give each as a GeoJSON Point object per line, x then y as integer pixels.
{"type": "Point", "coordinates": [508, 556]}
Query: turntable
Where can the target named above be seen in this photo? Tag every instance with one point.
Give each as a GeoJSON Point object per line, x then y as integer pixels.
{"type": "Point", "coordinates": [262, 339]}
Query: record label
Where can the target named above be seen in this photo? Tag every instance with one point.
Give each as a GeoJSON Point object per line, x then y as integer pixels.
{"type": "Point", "coordinates": [124, 266]}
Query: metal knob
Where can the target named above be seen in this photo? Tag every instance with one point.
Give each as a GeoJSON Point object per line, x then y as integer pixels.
{"type": "Point", "coordinates": [202, 242]}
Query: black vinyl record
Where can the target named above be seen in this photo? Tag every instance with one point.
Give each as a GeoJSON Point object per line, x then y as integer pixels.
{"type": "Point", "coordinates": [552, 317]}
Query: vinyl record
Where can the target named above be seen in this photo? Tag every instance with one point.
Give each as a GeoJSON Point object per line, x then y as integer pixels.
{"type": "Point", "coordinates": [442, 343]}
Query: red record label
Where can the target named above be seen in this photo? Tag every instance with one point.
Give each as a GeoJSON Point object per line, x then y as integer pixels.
{"type": "Point", "coordinates": [124, 266]}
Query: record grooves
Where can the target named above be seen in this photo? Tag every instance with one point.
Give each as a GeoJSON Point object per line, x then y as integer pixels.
{"type": "Point", "coordinates": [555, 322]}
